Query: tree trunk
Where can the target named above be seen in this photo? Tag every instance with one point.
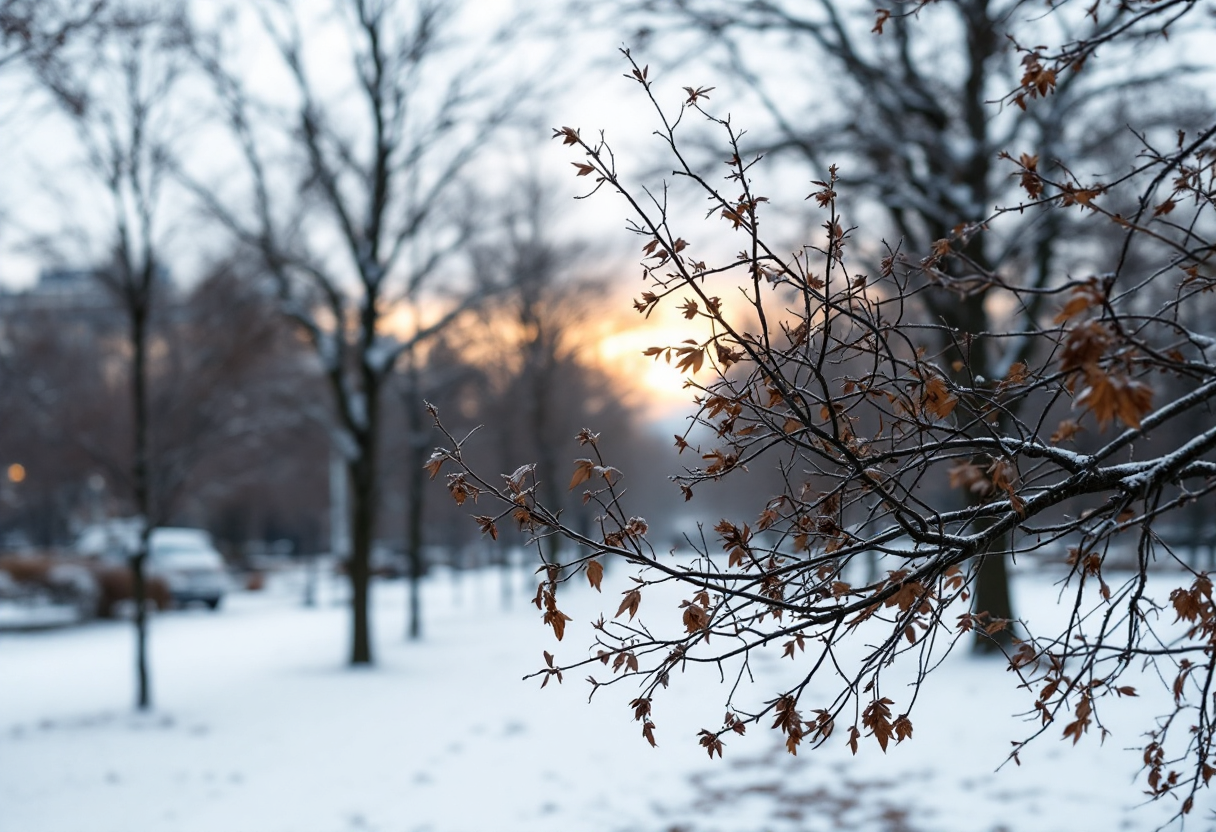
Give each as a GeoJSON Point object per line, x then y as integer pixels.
{"type": "Point", "coordinates": [143, 694]}
{"type": "Point", "coordinates": [992, 597]}
{"type": "Point", "coordinates": [973, 359]}
{"type": "Point", "coordinates": [363, 519]}
{"type": "Point", "coordinates": [418, 442]}
{"type": "Point", "coordinates": [992, 579]}
{"type": "Point", "coordinates": [544, 394]}
{"type": "Point", "coordinates": [339, 505]}
{"type": "Point", "coordinates": [139, 470]}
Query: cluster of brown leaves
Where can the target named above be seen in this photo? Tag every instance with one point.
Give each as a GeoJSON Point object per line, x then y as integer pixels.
{"type": "Point", "coordinates": [546, 600]}
{"type": "Point", "coordinates": [742, 214]}
{"type": "Point", "coordinates": [711, 741]}
{"type": "Point", "coordinates": [936, 398]}
{"type": "Point", "coordinates": [1163, 780]}
{"type": "Point", "coordinates": [1030, 180]}
{"type": "Point", "coordinates": [634, 529]}
{"type": "Point", "coordinates": [789, 722]}
{"type": "Point", "coordinates": [1037, 80]}
{"type": "Point", "coordinates": [696, 613]}
{"type": "Point", "coordinates": [735, 543]}
{"type": "Point", "coordinates": [1089, 564]}
{"type": "Point", "coordinates": [641, 713]}
{"type": "Point", "coordinates": [1061, 690]}
{"type": "Point", "coordinates": [1195, 606]}
{"type": "Point", "coordinates": [877, 718]}
{"type": "Point", "coordinates": [459, 487]}
{"type": "Point", "coordinates": [1107, 388]}
{"type": "Point", "coordinates": [630, 603]}
{"type": "Point", "coordinates": [585, 469]}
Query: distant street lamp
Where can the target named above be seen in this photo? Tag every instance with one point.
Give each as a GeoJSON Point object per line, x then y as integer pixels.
{"type": "Point", "coordinates": [9, 496]}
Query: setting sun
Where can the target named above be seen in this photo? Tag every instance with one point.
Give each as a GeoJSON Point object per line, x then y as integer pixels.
{"type": "Point", "coordinates": [658, 384]}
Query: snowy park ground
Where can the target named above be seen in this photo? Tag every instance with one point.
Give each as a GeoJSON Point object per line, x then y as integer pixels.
{"type": "Point", "coordinates": [260, 728]}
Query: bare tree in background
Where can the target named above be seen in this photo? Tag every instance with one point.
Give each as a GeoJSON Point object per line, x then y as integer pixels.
{"type": "Point", "coordinates": [524, 362]}
{"type": "Point", "coordinates": [116, 86]}
{"type": "Point", "coordinates": [350, 202]}
{"type": "Point", "coordinates": [817, 366]}
{"type": "Point", "coordinates": [545, 299]}
{"type": "Point", "coordinates": [121, 86]}
{"type": "Point", "coordinates": [422, 378]}
{"type": "Point", "coordinates": [909, 117]}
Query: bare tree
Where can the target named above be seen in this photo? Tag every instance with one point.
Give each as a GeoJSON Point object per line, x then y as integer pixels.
{"type": "Point", "coordinates": [117, 89]}
{"type": "Point", "coordinates": [547, 294]}
{"type": "Point", "coordinates": [523, 364]}
{"type": "Point", "coordinates": [442, 374]}
{"type": "Point", "coordinates": [350, 201]}
{"type": "Point", "coordinates": [815, 366]}
{"type": "Point", "coordinates": [122, 89]}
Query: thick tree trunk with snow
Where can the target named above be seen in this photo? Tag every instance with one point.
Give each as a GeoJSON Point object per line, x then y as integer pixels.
{"type": "Point", "coordinates": [992, 597]}
{"type": "Point", "coordinates": [364, 495]}
{"type": "Point", "coordinates": [363, 523]}
{"type": "Point", "coordinates": [974, 355]}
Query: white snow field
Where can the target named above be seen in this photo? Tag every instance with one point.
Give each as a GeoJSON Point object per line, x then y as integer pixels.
{"type": "Point", "coordinates": [259, 727]}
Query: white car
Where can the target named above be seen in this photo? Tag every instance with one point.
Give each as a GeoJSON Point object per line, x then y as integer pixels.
{"type": "Point", "coordinates": [185, 559]}
{"type": "Point", "coordinates": [189, 563]}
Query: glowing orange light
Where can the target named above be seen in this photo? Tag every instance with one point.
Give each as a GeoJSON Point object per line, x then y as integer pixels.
{"type": "Point", "coordinates": [16, 472]}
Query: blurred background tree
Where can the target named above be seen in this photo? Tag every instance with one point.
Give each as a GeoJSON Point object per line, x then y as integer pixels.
{"type": "Point", "coordinates": [347, 199]}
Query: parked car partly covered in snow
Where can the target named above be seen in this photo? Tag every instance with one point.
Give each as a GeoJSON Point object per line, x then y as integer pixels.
{"type": "Point", "coordinates": [189, 563]}
{"type": "Point", "coordinates": [185, 560]}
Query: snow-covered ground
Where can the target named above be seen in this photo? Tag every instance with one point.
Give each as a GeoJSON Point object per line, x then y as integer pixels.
{"type": "Point", "coordinates": [259, 726]}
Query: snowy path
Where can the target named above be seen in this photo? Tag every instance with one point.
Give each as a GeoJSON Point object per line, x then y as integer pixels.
{"type": "Point", "coordinates": [259, 728]}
